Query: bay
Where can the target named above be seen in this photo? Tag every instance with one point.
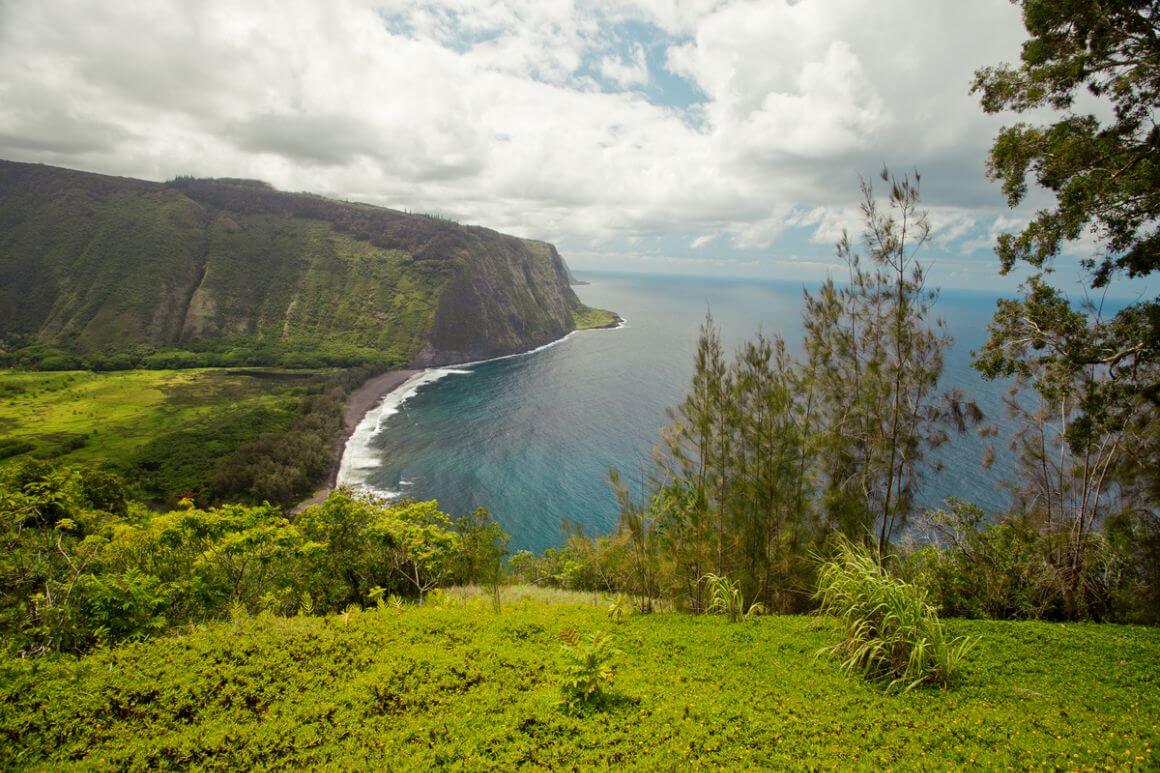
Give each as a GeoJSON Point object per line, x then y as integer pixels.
{"type": "Point", "coordinates": [532, 437]}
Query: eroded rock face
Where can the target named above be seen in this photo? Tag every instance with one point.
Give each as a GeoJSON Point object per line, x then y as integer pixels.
{"type": "Point", "coordinates": [91, 262]}
{"type": "Point", "coordinates": [509, 295]}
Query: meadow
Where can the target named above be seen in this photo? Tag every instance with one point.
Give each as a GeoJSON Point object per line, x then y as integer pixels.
{"type": "Point", "coordinates": [454, 683]}
{"type": "Point", "coordinates": [164, 430]}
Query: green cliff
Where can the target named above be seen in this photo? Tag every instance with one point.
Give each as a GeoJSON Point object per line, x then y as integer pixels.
{"type": "Point", "coordinates": [91, 263]}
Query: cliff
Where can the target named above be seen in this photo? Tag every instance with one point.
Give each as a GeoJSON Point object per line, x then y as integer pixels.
{"type": "Point", "coordinates": [91, 263]}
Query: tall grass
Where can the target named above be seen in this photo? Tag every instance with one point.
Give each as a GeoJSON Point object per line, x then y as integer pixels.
{"type": "Point", "coordinates": [891, 631]}
{"type": "Point", "coordinates": [726, 599]}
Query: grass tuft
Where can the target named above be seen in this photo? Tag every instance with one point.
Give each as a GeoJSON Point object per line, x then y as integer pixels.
{"type": "Point", "coordinates": [890, 630]}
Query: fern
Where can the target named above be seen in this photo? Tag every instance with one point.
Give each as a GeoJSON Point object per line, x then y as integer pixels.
{"type": "Point", "coordinates": [616, 608]}
{"type": "Point", "coordinates": [238, 611]}
{"type": "Point", "coordinates": [587, 670]}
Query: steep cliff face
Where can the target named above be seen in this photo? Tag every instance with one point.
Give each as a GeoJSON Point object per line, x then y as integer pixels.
{"type": "Point", "coordinates": [96, 263]}
{"type": "Point", "coordinates": [507, 295]}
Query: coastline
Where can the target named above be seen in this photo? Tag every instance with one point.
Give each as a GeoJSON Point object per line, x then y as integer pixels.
{"type": "Point", "coordinates": [365, 397]}
{"type": "Point", "coordinates": [375, 391]}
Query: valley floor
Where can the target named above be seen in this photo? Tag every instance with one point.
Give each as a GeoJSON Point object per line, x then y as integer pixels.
{"type": "Point", "coordinates": [454, 683]}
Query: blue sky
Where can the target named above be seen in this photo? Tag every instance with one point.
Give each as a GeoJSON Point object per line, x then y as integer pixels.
{"type": "Point", "coordinates": [722, 137]}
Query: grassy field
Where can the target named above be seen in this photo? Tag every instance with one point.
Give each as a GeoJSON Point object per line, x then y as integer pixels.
{"type": "Point", "coordinates": [172, 424]}
{"type": "Point", "coordinates": [456, 684]}
{"type": "Point", "coordinates": [590, 318]}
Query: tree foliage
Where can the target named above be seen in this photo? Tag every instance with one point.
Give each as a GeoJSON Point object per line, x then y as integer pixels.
{"type": "Point", "coordinates": [1087, 438]}
{"type": "Point", "coordinates": [1105, 174]}
{"type": "Point", "coordinates": [82, 566]}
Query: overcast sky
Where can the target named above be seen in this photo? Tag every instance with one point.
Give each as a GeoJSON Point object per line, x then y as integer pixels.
{"type": "Point", "coordinates": [659, 135]}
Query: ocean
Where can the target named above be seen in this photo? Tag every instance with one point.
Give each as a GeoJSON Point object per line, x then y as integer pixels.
{"type": "Point", "coordinates": [532, 437]}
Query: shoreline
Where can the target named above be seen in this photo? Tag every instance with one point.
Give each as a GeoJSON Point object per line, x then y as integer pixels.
{"type": "Point", "coordinates": [375, 390]}
{"type": "Point", "coordinates": [358, 403]}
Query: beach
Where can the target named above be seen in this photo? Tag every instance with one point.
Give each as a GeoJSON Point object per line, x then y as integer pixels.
{"type": "Point", "coordinates": [358, 403]}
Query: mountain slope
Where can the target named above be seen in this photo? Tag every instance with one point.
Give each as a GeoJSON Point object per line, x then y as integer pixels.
{"type": "Point", "coordinates": [92, 263]}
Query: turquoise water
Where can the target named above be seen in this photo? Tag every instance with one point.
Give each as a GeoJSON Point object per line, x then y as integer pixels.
{"type": "Point", "coordinates": [531, 438]}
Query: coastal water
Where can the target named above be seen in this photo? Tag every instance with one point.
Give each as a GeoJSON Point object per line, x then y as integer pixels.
{"type": "Point", "coordinates": [532, 437]}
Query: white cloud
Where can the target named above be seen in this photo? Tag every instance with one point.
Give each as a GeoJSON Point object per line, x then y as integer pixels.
{"type": "Point", "coordinates": [627, 71]}
{"type": "Point", "coordinates": [492, 112]}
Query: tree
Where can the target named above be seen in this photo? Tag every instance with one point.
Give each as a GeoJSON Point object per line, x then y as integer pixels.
{"type": "Point", "coordinates": [1106, 180]}
{"type": "Point", "coordinates": [423, 546]}
{"type": "Point", "coordinates": [1088, 441]}
{"type": "Point", "coordinates": [483, 545]}
{"type": "Point", "coordinates": [1104, 175]}
{"type": "Point", "coordinates": [874, 356]}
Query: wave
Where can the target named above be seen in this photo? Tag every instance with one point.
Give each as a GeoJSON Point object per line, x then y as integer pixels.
{"type": "Point", "coordinates": [359, 458]}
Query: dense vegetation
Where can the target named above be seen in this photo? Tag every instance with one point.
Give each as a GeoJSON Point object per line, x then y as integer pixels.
{"type": "Point", "coordinates": [112, 273]}
{"type": "Point", "coordinates": [589, 318]}
{"type": "Point", "coordinates": [453, 683]}
{"type": "Point", "coordinates": [770, 459]}
{"type": "Point", "coordinates": [1087, 405]}
{"type": "Point", "coordinates": [188, 634]}
{"type": "Point", "coordinates": [219, 435]}
{"type": "Point", "coordinates": [82, 564]}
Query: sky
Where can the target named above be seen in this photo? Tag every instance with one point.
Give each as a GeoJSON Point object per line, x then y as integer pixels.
{"type": "Point", "coordinates": [680, 136]}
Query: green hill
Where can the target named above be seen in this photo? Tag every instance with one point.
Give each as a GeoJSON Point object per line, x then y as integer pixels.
{"type": "Point", "coordinates": [98, 264]}
{"type": "Point", "coordinates": [455, 684]}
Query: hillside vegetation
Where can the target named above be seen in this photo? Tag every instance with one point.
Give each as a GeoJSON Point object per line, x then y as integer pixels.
{"type": "Point", "coordinates": [118, 272]}
{"type": "Point", "coordinates": [456, 684]}
{"type": "Point", "coordinates": [246, 435]}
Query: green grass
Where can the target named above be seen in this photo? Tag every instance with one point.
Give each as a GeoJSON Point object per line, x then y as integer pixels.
{"type": "Point", "coordinates": [589, 318]}
{"type": "Point", "coordinates": [459, 685]}
{"type": "Point", "coordinates": [167, 428]}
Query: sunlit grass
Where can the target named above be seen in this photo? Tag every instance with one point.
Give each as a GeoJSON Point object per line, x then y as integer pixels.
{"type": "Point", "coordinates": [456, 682]}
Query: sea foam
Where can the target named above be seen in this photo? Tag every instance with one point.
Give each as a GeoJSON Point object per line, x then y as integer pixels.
{"type": "Point", "coordinates": [359, 458]}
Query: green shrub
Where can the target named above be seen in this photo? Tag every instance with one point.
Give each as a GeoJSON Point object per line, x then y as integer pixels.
{"type": "Point", "coordinates": [588, 669]}
{"type": "Point", "coordinates": [10, 447]}
{"type": "Point", "coordinates": [725, 599]}
{"type": "Point", "coordinates": [891, 632]}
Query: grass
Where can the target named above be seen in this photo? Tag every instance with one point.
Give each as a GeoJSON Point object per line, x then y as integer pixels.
{"type": "Point", "coordinates": [459, 685]}
{"type": "Point", "coordinates": [891, 632]}
{"type": "Point", "coordinates": [173, 424]}
{"type": "Point", "coordinates": [589, 318]}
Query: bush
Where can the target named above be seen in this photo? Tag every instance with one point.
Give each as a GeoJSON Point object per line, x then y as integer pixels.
{"type": "Point", "coordinates": [891, 632]}
{"type": "Point", "coordinates": [726, 599]}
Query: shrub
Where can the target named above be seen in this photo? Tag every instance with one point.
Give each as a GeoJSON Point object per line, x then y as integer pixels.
{"type": "Point", "coordinates": [725, 599]}
{"type": "Point", "coordinates": [891, 632]}
{"type": "Point", "coordinates": [588, 669]}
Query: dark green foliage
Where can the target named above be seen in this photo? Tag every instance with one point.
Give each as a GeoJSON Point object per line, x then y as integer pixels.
{"type": "Point", "coordinates": [243, 435]}
{"type": "Point", "coordinates": [446, 686]}
{"type": "Point", "coordinates": [80, 566]}
{"type": "Point", "coordinates": [1088, 438]}
{"type": "Point", "coordinates": [284, 466]}
{"type": "Point", "coordinates": [1105, 176]}
{"type": "Point", "coordinates": [1086, 434]}
{"type": "Point", "coordinates": [13, 447]}
{"type": "Point", "coordinates": [767, 456]}
{"type": "Point", "coordinates": [1011, 569]}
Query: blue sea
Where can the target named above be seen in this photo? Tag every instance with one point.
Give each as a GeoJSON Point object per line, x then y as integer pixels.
{"type": "Point", "coordinates": [532, 437]}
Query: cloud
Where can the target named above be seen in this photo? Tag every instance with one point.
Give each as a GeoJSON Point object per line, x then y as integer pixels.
{"type": "Point", "coordinates": [626, 71]}
{"type": "Point", "coordinates": [547, 119]}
